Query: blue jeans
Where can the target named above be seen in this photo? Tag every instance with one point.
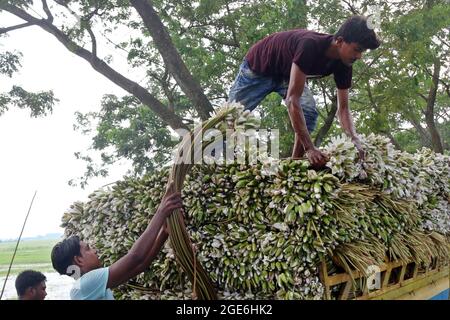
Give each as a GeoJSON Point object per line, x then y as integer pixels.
{"type": "Point", "coordinates": [250, 89]}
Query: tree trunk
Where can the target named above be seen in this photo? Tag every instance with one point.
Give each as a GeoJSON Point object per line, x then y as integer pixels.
{"type": "Point", "coordinates": [429, 112]}
{"type": "Point", "coordinates": [323, 131]}
{"type": "Point", "coordinates": [172, 58]}
{"type": "Point", "coordinates": [424, 137]}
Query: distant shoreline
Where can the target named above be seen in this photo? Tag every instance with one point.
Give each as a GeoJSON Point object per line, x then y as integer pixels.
{"type": "Point", "coordinates": [48, 236]}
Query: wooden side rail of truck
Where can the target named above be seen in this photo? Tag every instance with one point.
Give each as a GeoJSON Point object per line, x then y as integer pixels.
{"type": "Point", "coordinates": [396, 281]}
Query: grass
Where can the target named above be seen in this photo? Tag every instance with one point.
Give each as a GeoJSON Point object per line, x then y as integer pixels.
{"type": "Point", "coordinates": [33, 254]}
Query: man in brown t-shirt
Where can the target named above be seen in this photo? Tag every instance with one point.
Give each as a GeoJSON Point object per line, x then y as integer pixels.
{"type": "Point", "coordinates": [283, 61]}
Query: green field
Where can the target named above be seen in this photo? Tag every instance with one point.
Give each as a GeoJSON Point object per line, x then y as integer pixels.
{"type": "Point", "coordinates": [33, 254]}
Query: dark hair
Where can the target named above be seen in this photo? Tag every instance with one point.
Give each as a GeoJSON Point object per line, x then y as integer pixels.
{"type": "Point", "coordinates": [64, 252]}
{"type": "Point", "coordinates": [27, 279]}
{"type": "Point", "coordinates": [355, 29]}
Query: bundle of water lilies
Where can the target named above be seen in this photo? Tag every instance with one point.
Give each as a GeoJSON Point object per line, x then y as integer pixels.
{"type": "Point", "coordinates": [253, 233]}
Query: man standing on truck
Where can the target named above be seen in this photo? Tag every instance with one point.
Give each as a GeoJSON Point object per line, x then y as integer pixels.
{"type": "Point", "coordinates": [282, 62]}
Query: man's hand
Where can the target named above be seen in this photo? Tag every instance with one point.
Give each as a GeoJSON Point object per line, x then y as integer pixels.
{"type": "Point", "coordinates": [346, 120]}
{"type": "Point", "coordinates": [359, 147]}
{"type": "Point", "coordinates": [170, 202]}
{"type": "Point", "coordinates": [317, 158]}
{"type": "Point", "coordinates": [146, 248]}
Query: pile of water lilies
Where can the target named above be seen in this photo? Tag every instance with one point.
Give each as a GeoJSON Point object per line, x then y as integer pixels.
{"type": "Point", "coordinates": [262, 235]}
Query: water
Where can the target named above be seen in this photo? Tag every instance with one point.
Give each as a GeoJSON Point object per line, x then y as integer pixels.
{"type": "Point", "coordinates": [58, 287]}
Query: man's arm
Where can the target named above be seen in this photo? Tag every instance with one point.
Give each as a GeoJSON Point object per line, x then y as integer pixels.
{"type": "Point", "coordinates": [146, 247]}
{"type": "Point", "coordinates": [153, 252]}
{"type": "Point", "coordinates": [302, 138]}
{"type": "Point", "coordinates": [346, 120]}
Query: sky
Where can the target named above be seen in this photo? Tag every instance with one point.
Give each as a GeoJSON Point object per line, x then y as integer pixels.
{"type": "Point", "coordinates": [38, 154]}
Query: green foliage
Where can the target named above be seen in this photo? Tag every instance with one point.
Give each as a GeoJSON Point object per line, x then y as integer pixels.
{"type": "Point", "coordinates": [275, 115]}
{"type": "Point", "coordinates": [212, 37]}
{"type": "Point", "coordinates": [9, 62]}
{"type": "Point", "coordinates": [390, 85]}
{"type": "Point", "coordinates": [408, 140]}
{"type": "Point", "coordinates": [125, 129]}
{"type": "Point", "coordinates": [40, 104]}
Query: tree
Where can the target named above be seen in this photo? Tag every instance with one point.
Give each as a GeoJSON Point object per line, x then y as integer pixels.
{"type": "Point", "coordinates": [73, 38]}
{"type": "Point", "coordinates": [189, 51]}
{"type": "Point", "coordinates": [402, 87]}
{"type": "Point", "coordinates": [40, 103]}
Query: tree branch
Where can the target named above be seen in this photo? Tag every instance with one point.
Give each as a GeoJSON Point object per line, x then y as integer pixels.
{"type": "Point", "coordinates": [165, 84]}
{"type": "Point", "coordinates": [323, 131]}
{"type": "Point", "coordinates": [233, 30]}
{"type": "Point", "coordinates": [371, 99]}
{"type": "Point", "coordinates": [444, 41]}
{"type": "Point", "coordinates": [387, 129]}
{"type": "Point", "coordinates": [172, 59]}
{"type": "Point", "coordinates": [93, 13]}
{"type": "Point", "coordinates": [423, 96]}
{"type": "Point", "coordinates": [351, 7]}
{"type": "Point", "coordinates": [47, 11]}
{"type": "Point", "coordinates": [429, 113]}
{"type": "Point", "coordinates": [87, 19]}
{"type": "Point", "coordinates": [183, 30]}
{"type": "Point", "coordinates": [224, 42]}
{"type": "Point", "coordinates": [324, 93]}
{"type": "Point", "coordinates": [16, 27]}
{"type": "Point", "coordinates": [354, 100]}
{"type": "Point", "coordinates": [413, 119]}
{"type": "Point", "coordinates": [446, 86]}
{"type": "Point", "coordinates": [442, 115]}
{"type": "Point", "coordinates": [102, 67]}
{"type": "Point", "coordinates": [93, 39]}
{"type": "Point", "coordinates": [367, 68]}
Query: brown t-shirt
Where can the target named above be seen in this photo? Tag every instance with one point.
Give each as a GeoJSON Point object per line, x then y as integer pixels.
{"type": "Point", "coordinates": [273, 56]}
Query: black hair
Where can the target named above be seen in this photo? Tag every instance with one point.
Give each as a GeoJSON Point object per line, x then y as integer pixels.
{"type": "Point", "coordinates": [355, 29]}
{"type": "Point", "coordinates": [64, 252]}
{"type": "Point", "coordinates": [27, 279]}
